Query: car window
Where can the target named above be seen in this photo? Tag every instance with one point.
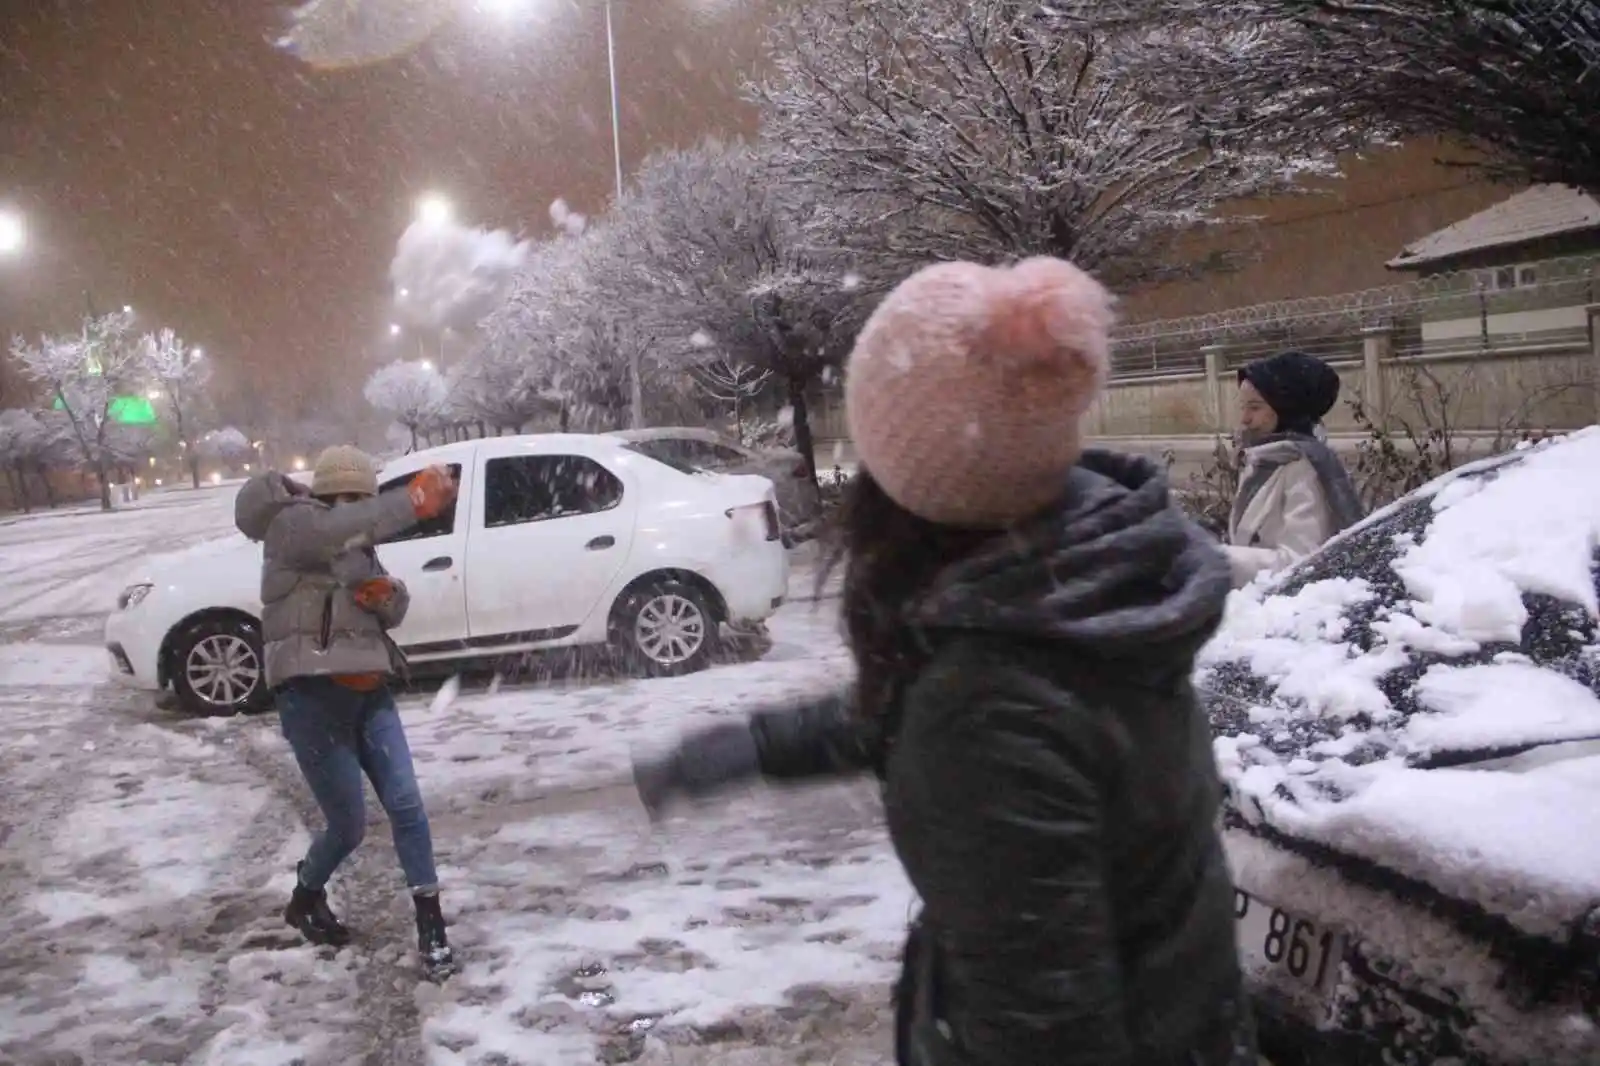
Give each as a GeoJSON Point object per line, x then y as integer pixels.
{"type": "Point", "coordinates": [665, 452]}
{"type": "Point", "coordinates": [537, 488]}
{"type": "Point", "coordinates": [441, 526]}
{"type": "Point", "coordinates": [719, 454]}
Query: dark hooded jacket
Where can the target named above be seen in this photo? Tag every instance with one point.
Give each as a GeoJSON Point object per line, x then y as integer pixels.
{"type": "Point", "coordinates": [1051, 791]}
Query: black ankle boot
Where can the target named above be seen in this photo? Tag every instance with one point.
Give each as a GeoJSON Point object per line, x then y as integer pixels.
{"type": "Point", "coordinates": [438, 961]}
{"type": "Point", "coordinates": [308, 912]}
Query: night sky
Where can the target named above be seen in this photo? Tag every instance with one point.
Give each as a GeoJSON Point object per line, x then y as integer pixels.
{"type": "Point", "coordinates": [180, 163]}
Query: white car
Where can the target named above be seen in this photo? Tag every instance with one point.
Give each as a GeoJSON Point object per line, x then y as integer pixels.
{"type": "Point", "coordinates": [554, 541]}
{"type": "Point", "coordinates": [691, 448]}
{"type": "Point", "coordinates": [1408, 728]}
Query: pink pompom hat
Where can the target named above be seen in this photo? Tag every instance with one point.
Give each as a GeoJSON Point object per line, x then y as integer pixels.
{"type": "Point", "coordinates": [967, 386]}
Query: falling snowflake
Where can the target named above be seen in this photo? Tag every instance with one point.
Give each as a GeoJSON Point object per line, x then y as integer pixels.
{"type": "Point", "coordinates": [850, 282]}
{"type": "Point", "coordinates": [786, 418]}
{"type": "Point", "coordinates": [700, 339]}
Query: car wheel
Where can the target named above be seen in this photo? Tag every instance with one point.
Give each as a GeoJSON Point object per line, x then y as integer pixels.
{"type": "Point", "coordinates": [665, 629]}
{"type": "Point", "coordinates": [217, 668]}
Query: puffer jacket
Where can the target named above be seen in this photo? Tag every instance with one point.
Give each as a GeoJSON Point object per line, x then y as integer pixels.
{"type": "Point", "coordinates": [1287, 518]}
{"type": "Point", "coordinates": [1051, 792]}
{"type": "Point", "coordinates": [313, 557]}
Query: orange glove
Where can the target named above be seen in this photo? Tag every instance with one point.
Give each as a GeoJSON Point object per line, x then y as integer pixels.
{"type": "Point", "coordinates": [374, 592]}
{"type": "Point", "coordinates": [431, 491]}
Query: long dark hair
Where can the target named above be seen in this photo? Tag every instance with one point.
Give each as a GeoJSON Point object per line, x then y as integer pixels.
{"type": "Point", "coordinates": [890, 557]}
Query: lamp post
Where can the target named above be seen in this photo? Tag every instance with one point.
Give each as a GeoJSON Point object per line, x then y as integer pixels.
{"type": "Point", "coordinates": [616, 117]}
{"type": "Point", "coordinates": [13, 233]}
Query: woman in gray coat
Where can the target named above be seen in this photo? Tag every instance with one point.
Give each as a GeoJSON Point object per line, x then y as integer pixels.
{"type": "Point", "coordinates": [327, 607]}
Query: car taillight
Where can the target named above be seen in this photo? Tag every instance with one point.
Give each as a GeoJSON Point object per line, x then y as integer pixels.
{"type": "Point", "coordinates": [769, 517]}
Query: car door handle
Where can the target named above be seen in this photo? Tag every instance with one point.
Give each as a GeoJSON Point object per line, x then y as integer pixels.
{"type": "Point", "coordinates": [601, 543]}
{"type": "Point", "coordinates": [440, 562]}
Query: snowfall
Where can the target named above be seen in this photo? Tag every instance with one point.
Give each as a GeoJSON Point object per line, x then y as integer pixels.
{"type": "Point", "coordinates": [145, 858]}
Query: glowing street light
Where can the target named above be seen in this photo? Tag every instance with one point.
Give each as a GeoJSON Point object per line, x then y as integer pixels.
{"type": "Point", "coordinates": [434, 210]}
{"type": "Point", "coordinates": [427, 364]}
{"type": "Point", "coordinates": [394, 329]}
{"type": "Point", "coordinates": [198, 353]}
{"type": "Point", "coordinates": [127, 309]}
{"type": "Point", "coordinates": [13, 233]}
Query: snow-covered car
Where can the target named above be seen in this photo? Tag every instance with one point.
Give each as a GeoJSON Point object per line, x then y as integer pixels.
{"type": "Point", "coordinates": [1408, 728]}
{"type": "Point", "coordinates": [691, 448]}
{"type": "Point", "coordinates": [554, 541]}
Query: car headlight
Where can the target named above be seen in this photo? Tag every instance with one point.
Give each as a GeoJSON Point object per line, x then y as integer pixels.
{"type": "Point", "coordinates": [133, 594]}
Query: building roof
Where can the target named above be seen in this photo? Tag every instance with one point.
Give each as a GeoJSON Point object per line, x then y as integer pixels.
{"type": "Point", "coordinates": [1534, 213]}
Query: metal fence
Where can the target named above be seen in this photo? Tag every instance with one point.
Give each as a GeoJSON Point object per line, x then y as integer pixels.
{"type": "Point", "coordinates": [1528, 307]}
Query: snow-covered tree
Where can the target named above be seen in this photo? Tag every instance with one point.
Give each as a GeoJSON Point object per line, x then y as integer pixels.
{"type": "Point", "coordinates": [181, 375]}
{"type": "Point", "coordinates": [1519, 80]}
{"type": "Point", "coordinates": [411, 393]}
{"type": "Point", "coordinates": [732, 383]}
{"type": "Point", "coordinates": [84, 374]}
{"type": "Point", "coordinates": [726, 261]}
{"type": "Point", "coordinates": [983, 129]}
{"type": "Point", "coordinates": [573, 322]}
{"type": "Point", "coordinates": [31, 443]}
{"type": "Point", "coordinates": [448, 276]}
{"type": "Point", "coordinates": [499, 382]}
{"type": "Point", "coordinates": [229, 446]}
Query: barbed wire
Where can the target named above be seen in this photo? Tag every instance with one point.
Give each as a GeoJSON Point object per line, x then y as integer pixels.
{"type": "Point", "coordinates": [1385, 306]}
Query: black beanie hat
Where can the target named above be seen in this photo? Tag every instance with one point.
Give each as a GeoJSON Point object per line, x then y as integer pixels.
{"type": "Point", "coordinates": [1299, 388]}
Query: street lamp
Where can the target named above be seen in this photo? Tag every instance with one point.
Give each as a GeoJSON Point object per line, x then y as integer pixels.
{"type": "Point", "coordinates": [394, 329]}
{"type": "Point", "coordinates": [197, 353]}
{"type": "Point", "coordinates": [13, 232]}
{"type": "Point", "coordinates": [434, 210]}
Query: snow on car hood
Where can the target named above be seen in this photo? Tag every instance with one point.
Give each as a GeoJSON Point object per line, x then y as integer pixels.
{"type": "Point", "coordinates": [1368, 700]}
{"type": "Point", "coordinates": [230, 554]}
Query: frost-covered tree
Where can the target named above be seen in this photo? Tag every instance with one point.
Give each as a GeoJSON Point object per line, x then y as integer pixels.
{"type": "Point", "coordinates": [984, 129]}
{"type": "Point", "coordinates": [182, 374]}
{"type": "Point", "coordinates": [229, 446]}
{"type": "Point", "coordinates": [411, 393]}
{"type": "Point", "coordinates": [1519, 80]}
{"type": "Point", "coordinates": [83, 374]}
{"type": "Point", "coordinates": [448, 276]}
{"type": "Point", "coordinates": [725, 260]}
{"type": "Point", "coordinates": [732, 384]}
{"type": "Point", "coordinates": [499, 383]}
{"type": "Point", "coordinates": [576, 321]}
{"type": "Point", "coordinates": [31, 443]}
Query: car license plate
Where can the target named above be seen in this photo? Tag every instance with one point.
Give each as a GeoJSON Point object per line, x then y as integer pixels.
{"type": "Point", "coordinates": [1275, 940]}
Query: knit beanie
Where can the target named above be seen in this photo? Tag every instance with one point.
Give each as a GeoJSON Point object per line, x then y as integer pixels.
{"type": "Point", "coordinates": [341, 469]}
{"type": "Point", "coordinates": [1301, 389]}
{"type": "Point", "coordinates": [966, 387]}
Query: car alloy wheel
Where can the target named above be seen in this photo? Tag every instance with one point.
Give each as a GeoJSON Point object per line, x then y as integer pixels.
{"type": "Point", "coordinates": [222, 669]}
{"type": "Point", "coordinates": [670, 629]}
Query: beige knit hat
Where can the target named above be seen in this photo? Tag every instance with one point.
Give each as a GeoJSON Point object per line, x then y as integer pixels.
{"type": "Point", "coordinates": [343, 468]}
{"type": "Point", "coordinates": [967, 384]}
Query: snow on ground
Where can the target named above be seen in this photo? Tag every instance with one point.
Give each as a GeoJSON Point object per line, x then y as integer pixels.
{"type": "Point", "coordinates": [59, 563]}
{"type": "Point", "coordinates": [145, 859]}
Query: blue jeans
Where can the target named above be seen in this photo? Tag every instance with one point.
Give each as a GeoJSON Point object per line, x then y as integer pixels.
{"type": "Point", "coordinates": [337, 733]}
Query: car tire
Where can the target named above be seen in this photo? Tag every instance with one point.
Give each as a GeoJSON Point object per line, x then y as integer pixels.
{"type": "Point", "coordinates": [217, 668]}
{"type": "Point", "coordinates": [665, 629]}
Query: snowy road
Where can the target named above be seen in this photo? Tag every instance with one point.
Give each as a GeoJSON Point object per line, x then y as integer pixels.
{"type": "Point", "coordinates": [144, 859]}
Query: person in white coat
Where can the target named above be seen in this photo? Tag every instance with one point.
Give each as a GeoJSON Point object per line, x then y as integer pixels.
{"type": "Point", "coordinates": [1294, 492]}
